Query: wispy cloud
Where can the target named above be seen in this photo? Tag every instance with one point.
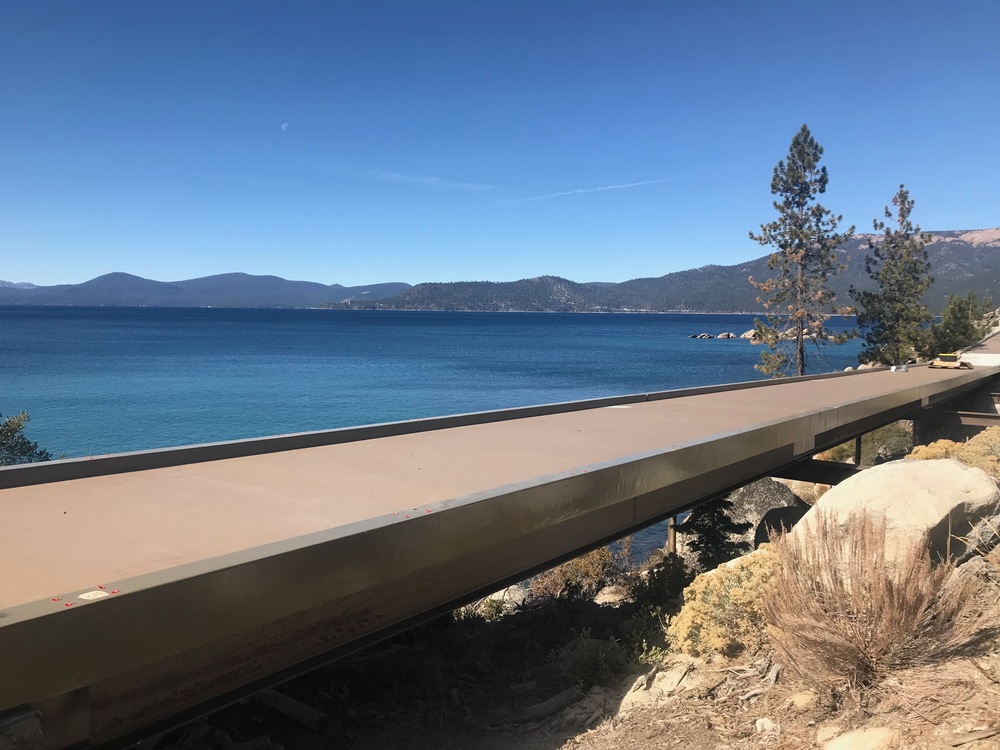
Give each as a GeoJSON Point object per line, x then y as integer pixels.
{"type": "Point", "coordinates": [425, 180]}
{"type": "Point", "coordinates": [585, 190]}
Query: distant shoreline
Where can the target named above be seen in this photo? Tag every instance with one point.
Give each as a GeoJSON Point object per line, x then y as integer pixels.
{"type": "Point", "coordinates": [345, 308]}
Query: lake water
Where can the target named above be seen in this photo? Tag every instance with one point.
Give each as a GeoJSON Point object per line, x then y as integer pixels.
{"type": "Point", "coordinates": [107, 380]}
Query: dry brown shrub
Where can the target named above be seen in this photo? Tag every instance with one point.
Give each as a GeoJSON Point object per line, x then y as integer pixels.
{"type": "Point", "coordinates": [579, 578]}
{"type": "Point", "coordinates": [840, 611]}
{"type": "Point", "coordinates": [582, 577]}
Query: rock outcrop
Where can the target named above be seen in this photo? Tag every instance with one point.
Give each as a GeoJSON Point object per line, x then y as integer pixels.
{"type": "Point", "coordinates": [753, 502]}
{"type": "Point", "coordinates": [940, 501]}
{"type": "Point", "coordinates": [809, 492]}
{"type": "Point", "coordinates": [778, 520]}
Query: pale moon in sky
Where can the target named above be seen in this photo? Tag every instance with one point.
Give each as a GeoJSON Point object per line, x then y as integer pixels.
{"type": "Point", "coordinates": [284, 126]}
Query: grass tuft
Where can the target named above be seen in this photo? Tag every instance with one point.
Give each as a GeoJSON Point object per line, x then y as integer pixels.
{"type": "Point", "coordinates": [840, 611]}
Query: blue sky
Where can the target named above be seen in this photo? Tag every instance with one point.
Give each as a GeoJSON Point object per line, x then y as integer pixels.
{"type": "Point", "coordinates": [433, 141]}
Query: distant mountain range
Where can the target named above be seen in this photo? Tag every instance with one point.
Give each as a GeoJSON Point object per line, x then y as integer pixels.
{"type": "Point", "coordinates": [224, 290]}
{"type": "Point", "coordinates": [960, 261]}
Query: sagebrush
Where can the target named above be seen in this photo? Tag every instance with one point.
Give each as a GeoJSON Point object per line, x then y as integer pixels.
{"type": "Point", "coordinates": [722, 612]}
{"type": "Point", "coordinates": [981, 451]}
{"type": "Point", "coordinates": [579, 578]}
{"type": "Point", "coordinates": [840, 611]}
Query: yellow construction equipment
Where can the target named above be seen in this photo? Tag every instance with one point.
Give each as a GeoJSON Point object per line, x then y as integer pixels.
{"type": "Point", "coordinates": [950, 362]}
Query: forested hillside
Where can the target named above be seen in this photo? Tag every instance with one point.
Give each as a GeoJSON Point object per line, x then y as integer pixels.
{"type": "Point", "coordinates": [960, 261]}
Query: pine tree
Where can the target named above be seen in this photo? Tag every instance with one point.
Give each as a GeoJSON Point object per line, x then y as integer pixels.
{"type": "Point", "coordinates": [798, 301]}
{"type": "Point", "coordinates": [962, 324]}
{"type": "Point", "coordinates": [892, 319]}
{"type": "Point", "coordinates": [15, 448]}
{"type": "Point", "coordinates": [711, 527]}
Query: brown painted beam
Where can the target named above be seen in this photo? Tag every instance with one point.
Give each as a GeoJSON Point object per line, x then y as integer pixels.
{"type": "Point", "coordinates": [821, 472]}
{"type": "Point", "coordinates": [964, 418]}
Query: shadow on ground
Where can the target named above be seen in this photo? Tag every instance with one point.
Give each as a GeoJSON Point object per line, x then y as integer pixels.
{"type": "Point", "coordinates": [459, 683]}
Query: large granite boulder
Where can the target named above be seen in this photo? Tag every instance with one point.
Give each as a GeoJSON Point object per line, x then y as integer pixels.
{"type": "Point", "coordinates": [940, 501]}
{"type": "Point", "coordinates": [752, 503]}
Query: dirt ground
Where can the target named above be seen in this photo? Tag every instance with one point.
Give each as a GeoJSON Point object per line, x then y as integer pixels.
{"type": "Point", "coordinates": [502, 684]}
{"type": "Point", "coordinates": [953, 705]}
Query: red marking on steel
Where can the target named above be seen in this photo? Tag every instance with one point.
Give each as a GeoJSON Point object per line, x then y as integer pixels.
{"type": "Point", "coordinates": [68, 604]}
{"type": "Point", "coordinates": [100, 585]}
{"type": "Point", "coordinates": [55, 598]}
{"type": "Point", "coordinates": [114, 591]}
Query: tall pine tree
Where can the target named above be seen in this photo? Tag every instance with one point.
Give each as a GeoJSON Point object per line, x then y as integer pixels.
{"type": "Point", "coordinates": [797, 300]}
{"type": "Point", "coordinates": [962, 324]}
{"type": "Point", "coordinates": [892, 318]}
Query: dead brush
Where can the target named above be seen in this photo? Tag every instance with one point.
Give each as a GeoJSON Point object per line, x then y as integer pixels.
{"type": "Point", "coordinates": [578, 579]}
{"type": "Point", "coordinates": [842, 611]}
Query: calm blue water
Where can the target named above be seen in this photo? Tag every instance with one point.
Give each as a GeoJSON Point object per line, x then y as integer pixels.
{"type": "Point", "coordinates": [106, 380]}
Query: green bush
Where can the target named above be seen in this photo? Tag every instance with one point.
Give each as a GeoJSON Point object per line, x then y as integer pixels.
{"type": "Point", "coordinates": [661, 588]}
{"type": "Point", "coordinates": [15, 448]}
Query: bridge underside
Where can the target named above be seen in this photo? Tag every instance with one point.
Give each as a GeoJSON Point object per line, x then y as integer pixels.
{"type": "Point", "coordinates": [142, 588]}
